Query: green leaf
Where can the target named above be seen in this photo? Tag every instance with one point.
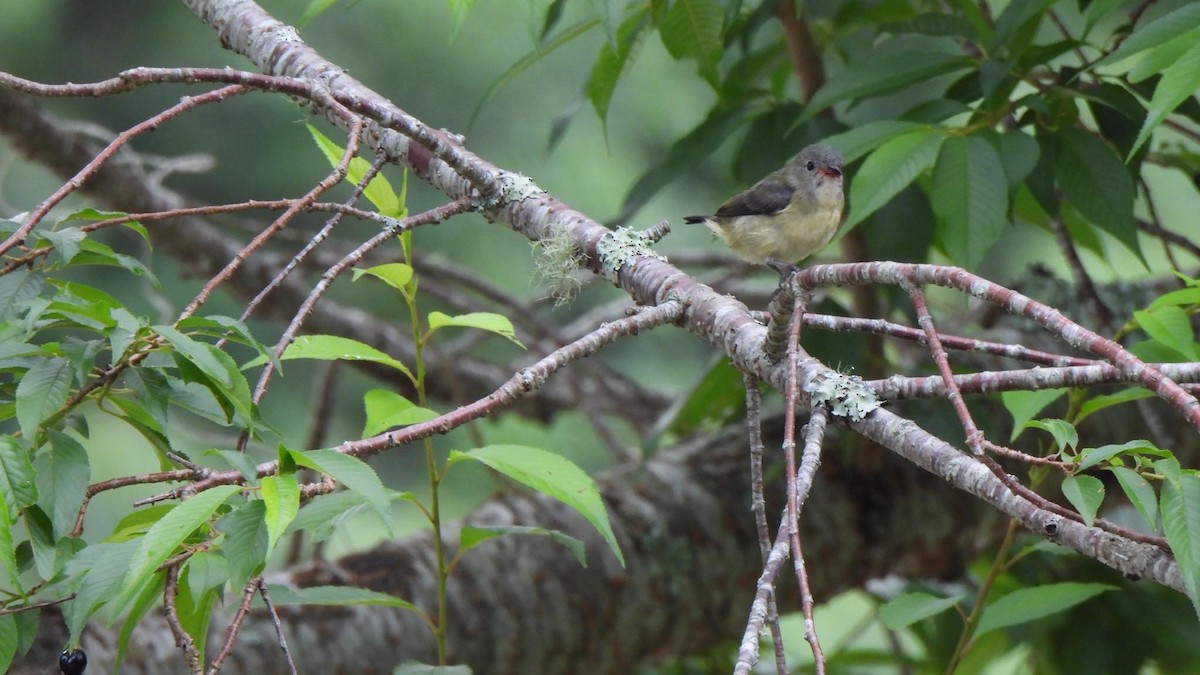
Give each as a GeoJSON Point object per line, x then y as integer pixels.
{"type": "Point", "coordinates": [910, 608]}
{"type": "Point", "coordinates": [1023, 405]}
{"type": "Point", "coordinates": [1179, 83]}
{"type": "Point", "coordinates": [355, 474]}
{"type": "Point", "coordinates": [41, 392]}
{"type": "Point", "coordinates": [379, 191]}
{"type": "Point", "coordinates": [396, 275]}
{"type": "Point", "coordinates": [1163, 29]}
{"type": "Point", "coordinates": [1035, 602]}
{"type": "Point", "coordinates": [1065, 435]}
{"type": "Point", "coordinates": [281, 495]}
{"type": "Point", "coordinates": [524, 63]}
{"type": "Point", "coordinates": [692, 29]}
{"type": "Point", "coordinates": [244, 463]}
{"type": "Point", "coordinates": [1140, 493]}
{"type": "Point", "coordinates": [197, 353]}
{"type": "Point", "coordinates": [869, 77]}
{"type": "Point", "coordinates": [387, 409]}
{"type": "Point", "coordinates": [246, 539]}
{"type": "Point", "coordinates": [149, 596]}
{"type": "Point", "coordinates": [1184, 297]}
{"type": "Point", "coordinates": [63, 473]}
{"type": "Point", "coordinates": [889, 169]}
{"type": "Point", "coordinates": [320, 517]}
{"type": "Point", "coordinates": [970, 197]}
{"type": "Point", "coordinates": [1170, 326]}
{"type": "Point", "coordinates": [346, 596]}
{"type": "Point", "coordinates": [472, 535]}
{"type": "Point", "coordinates": [17, 477]}
{"type": "Point", "coordinates": [458, 14]}
{"type": "Point", "coordinates": [1019, 155]}
{"type": "Point", "coordinates": [864, 138]}
{"type": "Point", "coordinates": [102, 567]}
{"type": "Point", "coordinates": [8, 555]}
{"type": "Point", "coordinates": [17, 289]}
{"type": "Point", "coordinates": [333, 348]}
{"type": "Point", "coordinates": [1085, 493]}
{"type": "Point", "coordinates": [8, 640]}
{"type": "Point", "coordinates": [552, 475]}
{"type": "Point", "coordinates": [1179, 504]}
{"type": "Point", "coordinates": [166, 535]}
{"type": "Point", "coordinates": [1089, 457]}
{"type": "Point", "coordinates": [612, 62]}
{"type": "Point", "coordinates": [1098, 403]}
{"type": "Point", "coordinates": [489, 321]}
{"type": "Point", "coordinates": [1097, 183]}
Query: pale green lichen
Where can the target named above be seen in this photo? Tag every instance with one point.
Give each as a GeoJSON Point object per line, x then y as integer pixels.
{"type": "Point", "coordinates": [844, 395]}
{"type": "Point", "coordinates": [620, 247]}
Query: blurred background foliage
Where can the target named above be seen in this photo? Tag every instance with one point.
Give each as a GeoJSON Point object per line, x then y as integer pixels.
{"type": "Point", "coordinates": [676, 128]}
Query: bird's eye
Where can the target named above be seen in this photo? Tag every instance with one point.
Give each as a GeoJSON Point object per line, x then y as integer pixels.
{"type": "Point", "coordinates": [811, 165]}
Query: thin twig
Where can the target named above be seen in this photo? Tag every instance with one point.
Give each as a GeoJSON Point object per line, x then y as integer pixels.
{"type": "Point", "coordinates": [235, 626]}
{"type": "Point", "coordinates": [283, 646]}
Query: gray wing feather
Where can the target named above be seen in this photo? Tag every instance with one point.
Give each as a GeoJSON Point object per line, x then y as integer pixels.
{"type": "Point", "coordinates": [769, 196]}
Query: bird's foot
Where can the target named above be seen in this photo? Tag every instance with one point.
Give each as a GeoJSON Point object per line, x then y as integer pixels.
{"type": "Point", "coordinates": [784, 269]}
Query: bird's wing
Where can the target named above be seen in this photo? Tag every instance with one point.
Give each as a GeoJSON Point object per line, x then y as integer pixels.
{"type": "Point", "coordinates": [769, 196]}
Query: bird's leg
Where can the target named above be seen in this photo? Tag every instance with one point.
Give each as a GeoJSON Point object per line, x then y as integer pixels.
{"type": "Point", "coordinates": [784, 269]}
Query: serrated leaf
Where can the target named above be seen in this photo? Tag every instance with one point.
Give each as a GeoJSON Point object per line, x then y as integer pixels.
{"type": "Point", "coordinates": [283, 596]}
{"type": "Point", "coordinates": [1085, 493]}
{"type": "Point", "coordinates": [551, 475]}
{"type": "Point", "coordinates": [17, 477]}
{"type": "Point", "coordinates": [104, 566]}
{"type": "Point", "coordinates": [1065, 435]}
{"type": "Point", "coordinates": [542, 50]}
{"type": "Point", "coordinates": [691, 29]}
{"type": "Point", "coordinates": [243, 463]}
{"type": "Point", "coordinates": [1023, 405]}
{"type": "Point", "coordinates": [1089, 457]}
{"type": "Point", "coordinates": [1140, 493]}
{"type": "Point", "coordinates": [8, 554]}
{"type": "Point", "coordinates": [63, 472]}
{"type": "Point", "coordinates": [1098, 403]}
{"type": "Point", "coordinates": [889, 169]}
{"type": "Point", "coordinates": [1163, 29]}
{"type": "Point", "coordinates": [1035, 602]}
{"type": "Point", "coordinates": [869, 77]}
{"type": "Point", "coordinates": [387, 409]}
{"type": "Point", "coordinates": [969, 196]}
{"type": "Point", "coordinates": [1170, 326]}
{"type": "Point", "coordinates": [612, 62]}
{"type": "Point", "coordinates": [17, 289]}
{"type": "Point", "coordinates": [41, 392]}
{"type": "Point", "coordinates": [245, 545]}
{"type": "Point", "coordinates": [198, 353]}
{"type": "Point", "coordinates": [1019, 155]}
{"type": "Point", "coordinates": [489, 321]}
{"type": "Point", "coordinates": [1179, 504]}
{"type": "Point", "coordinates": [8, 640]}
{"type": "Point", "coordinates": [1096, 182]}
{"type": "Point", "coordinates": [333, 348]}
{"type": "Point", "coordinates": [396, 275]}
{"type": "Point", "coordinates": [910, 608]}
{"type": "Point", "coordinates": [379, 191]}
{"type": "Point", "coordinates": [281, 496]}
{"type": "Point", "coordinates": [1179, 83]}
{"type": "Point", "coordinates": [165, 536]}
{"type": "Point", "coordinates": [137, 611]}
{"type": "Point", "coordinates": [473, 535]}
{"type": "Point", "coordinates": [1183, 297]}
{"type": "Point", "coordinates": [863, 138]}
{"type": "Point", "coordinates": [353, 473]}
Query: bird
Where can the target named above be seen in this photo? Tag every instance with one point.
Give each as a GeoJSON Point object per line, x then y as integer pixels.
{"type": "Point", "coordinates": [787, 216]}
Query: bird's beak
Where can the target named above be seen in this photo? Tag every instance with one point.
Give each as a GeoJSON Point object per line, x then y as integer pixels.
{"type": "Point", "coordinates": [832, 171]}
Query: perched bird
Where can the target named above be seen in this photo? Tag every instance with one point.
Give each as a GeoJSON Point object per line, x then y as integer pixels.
{"type": "Point", "coordinates": [786, 216]}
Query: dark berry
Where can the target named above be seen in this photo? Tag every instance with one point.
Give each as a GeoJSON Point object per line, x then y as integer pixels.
{"type": "Point", "coordinates": [72, 662]}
